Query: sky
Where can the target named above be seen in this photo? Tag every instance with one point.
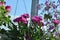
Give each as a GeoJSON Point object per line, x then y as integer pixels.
{"type": "Point", "coordinates": [21, 7]}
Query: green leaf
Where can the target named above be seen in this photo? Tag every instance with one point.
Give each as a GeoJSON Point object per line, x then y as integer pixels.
{"type": "Point", "coordinates": [52, 38]}
{"type": "Point", "coordinates": [9, 16]}
{"type": "Point", "coordinates": [2, 0]}
{"type": "Point", "coordinates": [4, 24]}
{"type": "Point", "coordinates": [0, 23]}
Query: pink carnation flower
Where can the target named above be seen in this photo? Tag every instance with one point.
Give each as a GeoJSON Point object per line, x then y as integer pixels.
{"type": "Point", "coordinates": [25, 15]}
{"type": "Point", "coordinates": [36, 19]}
{"type": "Point", "coordinates": [56, 21]}
{"type": "Point", "coordinates": [2, 3]}
{"type": "Point", "coordinates": [8, 8]}
{"type": "Point", "coordinates": [21, 19]}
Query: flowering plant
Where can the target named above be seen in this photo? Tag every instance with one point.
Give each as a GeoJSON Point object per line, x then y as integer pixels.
{"type": "Point", "coordinates": [39, 28]}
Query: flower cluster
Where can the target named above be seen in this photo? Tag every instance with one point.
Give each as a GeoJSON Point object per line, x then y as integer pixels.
{"type": "Point", "coordinates": [6, 9]}
{"type": "Point", "coordinates": [48, 25]}
{"type": "Point", "coordinates": [37, 19]}
{"type": "Point", "coordinates": [40, 28]}
{"type": "Point", "coordinates": [22, 19]}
